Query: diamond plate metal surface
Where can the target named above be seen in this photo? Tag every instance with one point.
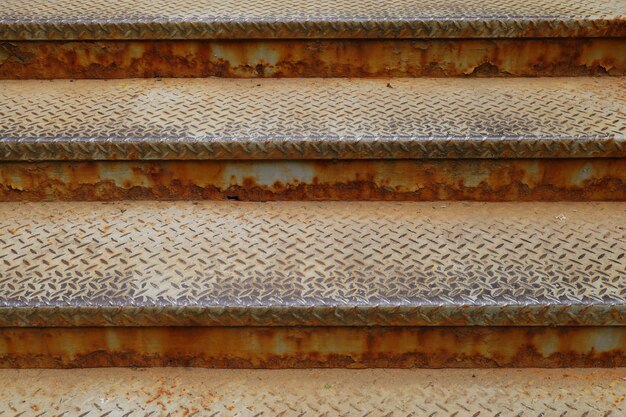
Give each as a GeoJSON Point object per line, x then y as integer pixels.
{"type": "Point", "coordinates": [195, 392]}
{"type": "Point", "coordinates": [226, 263]}
{"type": "Point", "coordinates": [318, 119]}
{"type": "Point", "coordinates": [141, 19]}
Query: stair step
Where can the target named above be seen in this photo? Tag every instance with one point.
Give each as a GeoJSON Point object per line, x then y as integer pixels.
{"type": "Point", "coordinates": [312, 119]}
{"type": "Point", "coordinates": [293, 19]}
{"type": "Point", "coordinates": [183, 263]}
{"type": "Point", "coordinates": [364, 284]}
{"type": "Point", "coordinates": [392, 139]}
{"type": "Point", "coordinates": [253, 38]}
{"type": "Point", "coordinates": [181, 392]}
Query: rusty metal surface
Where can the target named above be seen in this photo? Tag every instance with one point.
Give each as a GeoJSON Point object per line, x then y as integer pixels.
{"type": "Point", "coordinates": [193, 19]}
{"type": "Point", "coordinates": [393, 393]}
{"type": "Point", "coordinates": [573, 179]}
{"type": "Point", "coordinates": [327, 264]}
{"type": "Point", "coordinates": [313, 347]}
{"type": "Point", "coordinates": [313, 118]}
{"type": "Point", "coordinates": [312, 58]}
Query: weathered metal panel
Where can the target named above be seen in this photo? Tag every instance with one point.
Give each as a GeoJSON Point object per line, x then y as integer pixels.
{"type": "Point", "coordinates": [313, 58]}
{"type": "Point", "coordinates": [193, 19]}
{"type": "Point", "coordinates": [314, 347]}
{"type": "Point", "coordinates": [402, 118]}
{"type": "Point", "coordinates": [312, 264]}
{"type": "Point", "coordinates": [314, 392]}
{"type": "Point", "coordinates": [596, 179]}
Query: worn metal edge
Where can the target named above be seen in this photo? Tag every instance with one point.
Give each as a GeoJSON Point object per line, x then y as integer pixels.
{"type": "Point", "coordinates": [72, 148]}
{"type": "Point", "coordinates": [17, 315]}
{"type": "Point", "coordinates": [302, 28]}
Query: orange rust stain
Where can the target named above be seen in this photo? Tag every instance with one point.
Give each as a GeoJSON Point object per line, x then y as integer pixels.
{"type": "Point", "coordinates": [403, 180]}
{"type": "Point", "coordinates": [248, 182]}
{"type": "Point", "coordinates": [305, 347]}
{"type": "Point", "coordinates": [312, 58]}
{"type": "Point", "coordinates": [78, 173]}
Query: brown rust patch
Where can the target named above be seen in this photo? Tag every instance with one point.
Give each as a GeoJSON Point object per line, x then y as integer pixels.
{"type": "Point", "coordinates": [306, 347]}
{"type": "Point", "coordinates": [403, 180]}
{"type": "Point", "coordinates": [312, 58]}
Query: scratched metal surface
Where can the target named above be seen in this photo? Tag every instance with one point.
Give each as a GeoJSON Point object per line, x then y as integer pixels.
{"type": "Point", "coordinates": [312, 119]}
{"type": "Point", "coordinates": [163, 19]}
{"type": "Point", "coordinates": [198, 392]}
{"type": "Point", "coordinates": [228, 263]}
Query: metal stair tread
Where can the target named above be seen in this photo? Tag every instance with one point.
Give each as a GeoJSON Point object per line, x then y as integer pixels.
{"type": "Point", "coordinates": [181, 392]}
{"type": "Point", "coordinates": [189, 19]}
{"type": "Point", "coordinates": [305, 263]}
{"type": "Point", "coordinates": [312, 119]}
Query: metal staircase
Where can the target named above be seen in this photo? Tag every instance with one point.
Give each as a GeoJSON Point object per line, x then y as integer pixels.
{"type": "Point", "coordinates": [299, 185]}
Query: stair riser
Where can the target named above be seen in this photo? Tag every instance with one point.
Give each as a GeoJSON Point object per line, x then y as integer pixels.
{"type": "Point", "coordinates": [312, 58]}
{"type": "Point", "coordinates": [405, 180]}
{"type": "Point", "coordinates": [280, 347]}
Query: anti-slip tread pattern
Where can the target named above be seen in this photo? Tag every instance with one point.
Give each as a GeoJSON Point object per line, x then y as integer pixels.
{"type": "Point", "coordinates": [192, 19]}
{"type": "Point", "coordinates": [148, 263]}
{"type": "Point", "coordinates": [312, 119]}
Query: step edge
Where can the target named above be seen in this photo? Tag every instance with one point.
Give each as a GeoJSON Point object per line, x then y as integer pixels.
{"type": "Point", "coordinates": [540, 315]}
{"type": "Point", "coordinates": [322, 28]}
{"type": "Point", "coordinates": [84, 149]}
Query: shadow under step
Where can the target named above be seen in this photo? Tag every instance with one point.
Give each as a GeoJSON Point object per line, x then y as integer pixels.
{"type": "Point", "coordinates": [394, 139]}
{"type": "Point", "coordinates": [296, 285]}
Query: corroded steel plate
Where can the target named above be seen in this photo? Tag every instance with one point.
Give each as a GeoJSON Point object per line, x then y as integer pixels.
{"type": "Point", "coordinates": [191, 19]}
{"type": "Point", "coordinates": [282, 58]}
{"type": "Point", "coordinates": [547, 179]}
{"type": "Point", "coordinates": [312, 119]}
{"type": "Point", "coordinates": [344, 264]}
{"type": "Point", "coordinates": [275, 347]}
{"type": "Point", "coordinates": [393, 393]}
